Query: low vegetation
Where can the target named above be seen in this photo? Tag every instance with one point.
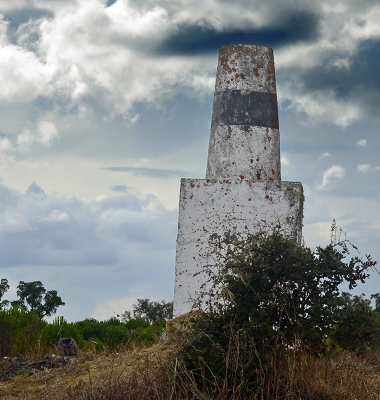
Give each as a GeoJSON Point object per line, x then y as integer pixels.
{"type": "Point", "coordinates": [22, 333]}
{"type": "Point", "coordinates": [275, 326]}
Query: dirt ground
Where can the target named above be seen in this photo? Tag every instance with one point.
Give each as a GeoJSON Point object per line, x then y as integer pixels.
{"type": "Point", "coordinates": [86, 368]}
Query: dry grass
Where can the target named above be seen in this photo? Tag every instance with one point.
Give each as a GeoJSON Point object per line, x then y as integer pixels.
{"type": "Point", "coordinates": [155, 374]}
{"type": "Point", "coordinates": [88, 371]}
{"type": "Point", "coordinates": [303, 376]}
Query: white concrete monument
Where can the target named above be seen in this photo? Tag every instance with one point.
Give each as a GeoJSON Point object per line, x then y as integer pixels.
{"type": "Point", "coordinates": [243, 190]}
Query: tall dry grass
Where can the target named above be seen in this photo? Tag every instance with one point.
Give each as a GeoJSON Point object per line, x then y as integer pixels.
{"type": "Point", "coordinates": [297, 376]}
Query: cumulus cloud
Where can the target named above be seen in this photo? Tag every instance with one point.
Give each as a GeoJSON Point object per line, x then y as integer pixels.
{"type": "Point", "coordinates": [284, 160]}
{"type": "Point", "coordinates": [57, 216]}
{"type": "Point", "coordinates": [363, 168]}
{"type": "Point", "coordinates": [47, 131]}
{"type": "Point", "coordinates": [24, 76]}
{"type": "Point", "coordinates": [87, 62]}
{"type": "Point", "coordinates": [114, 307]}
{"type": "Point", "coordinates": [324, 155]}
{"type": "Point", "coordinates": [361, 142]}
{"type": "Point", "coordinates": [6, 148]}
{"type": "Point", "coordinates": [121, 53]}
{"type": "Point", "coordinates": [5, 145]}
{"type": "Point", "coordinates": [25, 140]}
{"type": "Point", "coordinates": [66, 231]}
{"type": "Point", "coordinates": [365, 26]}
{"type": "Point", "coordinates": [330, 177]}
{"type": "Point", "coordinates": [340, 62]}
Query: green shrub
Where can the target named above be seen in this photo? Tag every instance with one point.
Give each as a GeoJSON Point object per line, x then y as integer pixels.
{"type": "Point", "coordinates": [113, 333]}
{"type": "Point", "coordinates": [136, 323]}
{"type": "Point", "coordinates": [269, 294]}
{"type": "Point", "coordinates": [20, 333]}
{"type": "Point", "coordinates": [59, 329]}
{"type": "Point", "coordinates": [113, 321]}
{"type": "Point", "coordinates": [91, 328]}
{"type": "Point", "coordinates": [356, 329]}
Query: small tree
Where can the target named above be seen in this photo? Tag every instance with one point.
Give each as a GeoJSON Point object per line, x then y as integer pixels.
{"type": "Point", "coordinates": [356, 328]}
{"type": "Point", "coordinates": [268, 294]}
{"type": "Point", "coordinates": [126, 316]}
{"type": "Point", "coordinates": [153, 310]}
{"type": "Point", "coordinates": [33, 296]}
{"type": "Point", "coordinates": [376, 296]}
{"type": "Point", "coordinates": [3, 288]}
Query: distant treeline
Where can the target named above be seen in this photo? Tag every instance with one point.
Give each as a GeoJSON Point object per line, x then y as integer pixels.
{"type": "Point", "coordinates": [22, 333]}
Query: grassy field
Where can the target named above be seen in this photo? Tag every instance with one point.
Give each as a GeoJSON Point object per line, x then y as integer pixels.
{"type": "Point", "coordinates": [156, 373]}
{"type": "Point", "coordinates": [91, 373]}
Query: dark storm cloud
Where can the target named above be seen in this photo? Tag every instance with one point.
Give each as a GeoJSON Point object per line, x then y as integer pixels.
{"type": "Point", "coordinates": [150, 172]}
{"type": "Point", "coordinates": [195, 39]}
{"type": "Point", "coordinates": [19, 16]}
{"type": "Point", "coordinates": [110, 2]}
{"type": "Point", "coordinates": [360, 81]}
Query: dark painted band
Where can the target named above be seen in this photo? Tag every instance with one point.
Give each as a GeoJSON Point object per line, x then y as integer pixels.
{"type": "Point", "coordinates": [240, 107]}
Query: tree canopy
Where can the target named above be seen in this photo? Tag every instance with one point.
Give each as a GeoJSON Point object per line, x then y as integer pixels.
{"type": "Point", "coordinates": [33, 296]}
{"type": "Point", "coordinates": [153, 310]}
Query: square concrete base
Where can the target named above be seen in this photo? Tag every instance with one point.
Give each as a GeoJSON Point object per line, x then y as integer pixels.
{"type": "Point", "coordinates": [216, 209]}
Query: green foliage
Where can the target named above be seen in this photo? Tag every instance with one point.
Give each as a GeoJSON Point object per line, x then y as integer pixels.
{"type": "Point", "coordinates": [268, 294]}
{"type": "Point", "coordinates": [91, 328]}
{"type": "Point", "coordinates": [133, 324]}
{"type": "Point", "coordinates": [376, 296]}
{"type": "Point", "coordinates": [113, 321]}
{"type": "Point", "coordinates": [60, 328]}
{"type": "Point", "coordinates": [20, 332]}
{"type": "Point", "coordinates": [356, 329]}
{"type": "Point", "coordinates": [32, 294]}
{"type": "Point", "coordinates": [23, 333]}
{"type": "Point", "coordinates": [3, 288]}
{"type": "Point", "coordinates": [126, 316]}
{"type": "Point", "coordinates": [153, 310]}
{"type": "Point", "coordinates": [112, 333]}
{"type": "Point", "coordinates": [34, 301]}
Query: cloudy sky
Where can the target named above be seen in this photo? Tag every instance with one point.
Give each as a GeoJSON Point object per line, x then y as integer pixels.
{"type": "Point", "coordinates": [105, 105]}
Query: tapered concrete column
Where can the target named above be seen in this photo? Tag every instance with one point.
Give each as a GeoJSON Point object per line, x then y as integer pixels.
{"type": "Point", "coordinates": [244, 138]}
{"type": "Point", "coordinates": [237, 197]}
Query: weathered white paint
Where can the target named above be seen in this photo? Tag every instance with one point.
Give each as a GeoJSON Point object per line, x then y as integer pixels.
{"type": "Point", "coordinates": [242, 192]}
{"type": "Point", "coordinates": [244, 138]}
{"type": "Point", "coordinates": [244, 152]}
{"type": "Point", "coordinates": [218, 208]}
{"type": "Point", "coordinates": [246, 67]}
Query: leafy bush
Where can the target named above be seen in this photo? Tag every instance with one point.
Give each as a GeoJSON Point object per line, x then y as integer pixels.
{"type": "Point", "coordinates": [60, 328]}
{"type": "Point", "coordinates": [136, 323]}
{"type": "Point", "coordinates": [20, 333]}
{"type": "Point", "coordinates": [356, 329]}
{"type": "Point", "coordinates": [91, 328]}
{"type": "Point", "coordinates": [268, 294]}
{"type": "Point", "coordinates": [23, 333]}
{"type": "Point", "coordinates": [112, 332]}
